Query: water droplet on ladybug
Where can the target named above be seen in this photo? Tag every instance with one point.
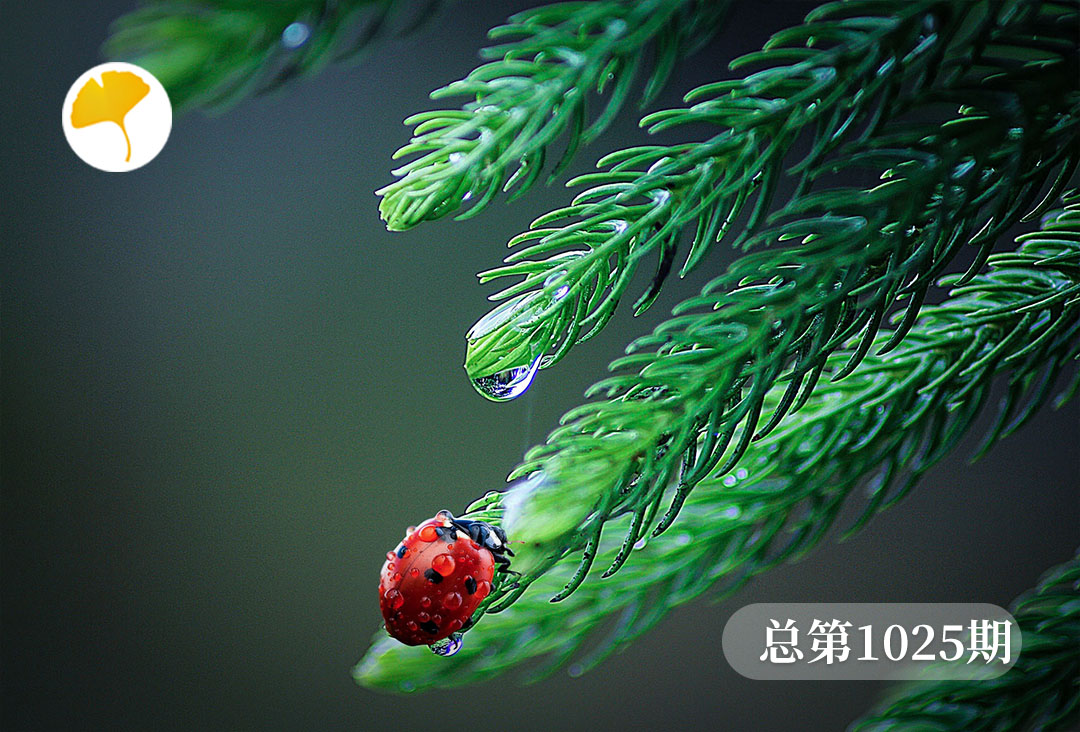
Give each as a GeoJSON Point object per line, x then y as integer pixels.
{"type": "Point", "coordinates": [423, 617]}
{"type": "Point", "coordinates": [414, 572]}
{"type": "Point", "coordinates": [425, 602]}
{"type": "Point", "coordinates": [411, 625]}
{"type": "Point", "coordinates": [437, 619]}
{"type": "Point", "coordinates": [450, 547]}
{"type": "Point", "coordinates": [456, 624]}
{"type": "Point", "coordinates": [447, 646]}
{"type": "Point", "coordinates": [390, 556]}
{"type": "Point", "coordinates": [443, 564]}
{"type": "Point", "coordinates": [428, 533]}
{"type": "Point", "coordinates": [483, 588]}
{"type": "Point", "coordinates": [397, 576]}
{"type": "Point", "coordinates": [452, 601]}
{"type": "Point", "coordinates": [394, 598]}
{"type": "Point", "coordinates": [409, 530]}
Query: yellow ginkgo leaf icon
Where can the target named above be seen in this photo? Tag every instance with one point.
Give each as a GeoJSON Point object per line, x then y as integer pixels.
{"type": "Point", "coordinates": [110, 101]}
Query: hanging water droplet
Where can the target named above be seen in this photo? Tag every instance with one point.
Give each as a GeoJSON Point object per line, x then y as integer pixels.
{"type": "Point", "coordinates": [447, 646]}
{"type": "Point", "coordinates": [503, 339]}
{"type": "Point", "coordinates": [295, 35]}
{"type": "Point", "coordinates": [508, 384]}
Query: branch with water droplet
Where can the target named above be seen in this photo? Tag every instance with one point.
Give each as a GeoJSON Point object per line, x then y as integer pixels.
{"type": "Point", "coordinates": [693, 395]}
{"type": "Point", "coordinates": [881, 428]}
{"type": "Point", "coordinates": [836, 81]}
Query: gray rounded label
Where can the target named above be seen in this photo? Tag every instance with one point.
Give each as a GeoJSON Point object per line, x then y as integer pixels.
{"type": "Point", "coordinates": [828, 641]}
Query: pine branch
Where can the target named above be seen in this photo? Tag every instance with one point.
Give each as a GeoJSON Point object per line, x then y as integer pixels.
{"type": "Point", "coordinates": [1041, 692]}
{"type": "Point", "coordinates": [778, 313]}
{"type": "Point", "coordinates": [534, 91]}
{"type": "Point", "coordinates": [838, 79]}
{"type": "Point", "coordinates": [213, 53]}
{"type": "Point", "coordinates": [881, 429]}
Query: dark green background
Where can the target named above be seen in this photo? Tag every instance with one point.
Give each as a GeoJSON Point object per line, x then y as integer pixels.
{"type": "Point", "coordinates": [227, 389]}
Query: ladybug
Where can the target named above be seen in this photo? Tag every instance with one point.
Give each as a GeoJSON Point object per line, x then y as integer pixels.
{"type": "Point", "coordinates": [436, 578]}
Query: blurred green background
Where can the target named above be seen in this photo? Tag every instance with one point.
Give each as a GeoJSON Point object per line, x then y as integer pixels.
{"type": "Point", "coordinates": [227, 389]}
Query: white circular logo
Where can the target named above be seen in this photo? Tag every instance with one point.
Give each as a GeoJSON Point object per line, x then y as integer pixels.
{"type": "Point", "coordinates": [117, 117]}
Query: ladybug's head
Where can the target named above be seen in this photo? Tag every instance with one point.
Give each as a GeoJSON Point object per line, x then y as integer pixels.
{"type": "Point", "coordinates": [489, 536]}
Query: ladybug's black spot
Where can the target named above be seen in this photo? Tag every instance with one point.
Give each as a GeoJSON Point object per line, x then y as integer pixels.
{"type": "Point", "coordinates": [432, 575]}
{"type": "Point", "coordinates": [470, 585]}
{"type": "Point", "coordinates": [429, 627]}
{"type": "Point", "coordinates": [401, 551]}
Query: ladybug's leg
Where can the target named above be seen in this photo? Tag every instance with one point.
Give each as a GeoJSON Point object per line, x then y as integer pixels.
{"type": "Point", "coordinates": [503, 563]}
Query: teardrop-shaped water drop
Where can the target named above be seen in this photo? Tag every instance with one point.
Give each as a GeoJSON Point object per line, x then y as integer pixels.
{"type": "Point", "coordinates": [509, 384]}
{"type": "Point", "coordinates": [447, 646]}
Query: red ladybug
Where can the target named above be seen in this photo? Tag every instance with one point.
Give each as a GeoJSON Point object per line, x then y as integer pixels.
{"type": "Point", "coordinates": [436, 578]}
